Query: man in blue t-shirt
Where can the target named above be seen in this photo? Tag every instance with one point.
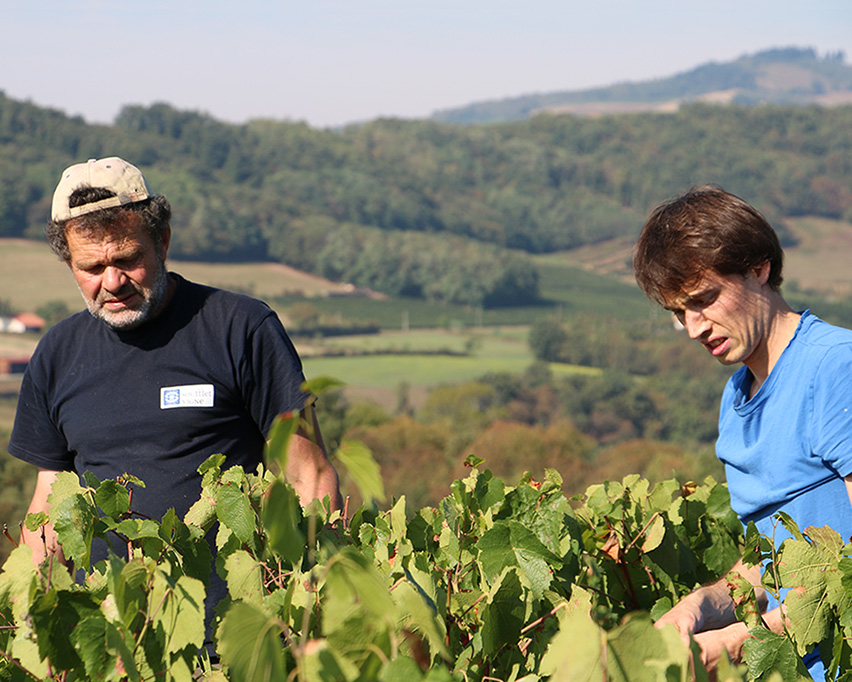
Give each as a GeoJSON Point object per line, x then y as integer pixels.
{"type": "Point", "coordinates": [159, 373]}
{"type": "Point", "coordinates": [785, 421]}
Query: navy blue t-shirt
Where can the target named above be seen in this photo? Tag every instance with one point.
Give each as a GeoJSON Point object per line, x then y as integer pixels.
{"type": "Point", "coordinates": [206, 376]}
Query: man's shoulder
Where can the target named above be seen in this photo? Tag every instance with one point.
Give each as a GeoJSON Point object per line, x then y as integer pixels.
{"type": "Point", "coordinates": [218, 295]}
{"type": "Point", "coordinates": [822, 350]}
{"type": "Point", "coordinates": [821, 334]}
{"type": "Point", "coordinates": [63, 340]}
{"type": "Point", "coordinates": [217, 302]}
{"type": "Point", "coordinates": [71, 326]}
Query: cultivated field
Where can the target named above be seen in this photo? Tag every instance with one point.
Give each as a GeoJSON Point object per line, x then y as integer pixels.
{"type": "Point", "coordinates": [30, 275]}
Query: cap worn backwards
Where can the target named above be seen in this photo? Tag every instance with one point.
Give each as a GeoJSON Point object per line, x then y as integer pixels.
{"type": "Point", "coordinates": [112, 173]}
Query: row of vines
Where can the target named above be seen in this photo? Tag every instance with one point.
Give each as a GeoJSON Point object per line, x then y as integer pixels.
{"type": "Point", "coordinates": [498, 582]}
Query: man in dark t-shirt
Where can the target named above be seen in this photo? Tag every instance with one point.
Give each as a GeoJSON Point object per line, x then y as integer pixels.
{"type": "Point", "coordinates": [160, 373]}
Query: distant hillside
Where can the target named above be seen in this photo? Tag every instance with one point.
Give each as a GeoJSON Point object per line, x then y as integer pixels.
{"type": "Point", "coordinates": [778, 76]}
{"type": "Point", "coordinates": [449, 213]}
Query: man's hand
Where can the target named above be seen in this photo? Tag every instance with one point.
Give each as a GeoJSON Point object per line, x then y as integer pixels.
{"type": "Point", "coordinates": [714, 643]}
{"type": "Point", "coordinates": [685, 616]}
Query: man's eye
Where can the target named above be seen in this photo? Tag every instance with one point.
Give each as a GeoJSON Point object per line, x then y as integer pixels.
{"type": "Point", "coordinates": [127, 263]}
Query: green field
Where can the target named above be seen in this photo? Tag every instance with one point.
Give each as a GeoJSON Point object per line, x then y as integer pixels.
{"type": "Point", "coordinates": [490, 350]}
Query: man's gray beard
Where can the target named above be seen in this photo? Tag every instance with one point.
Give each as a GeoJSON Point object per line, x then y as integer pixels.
{"type": "Point", "coordinates": [130, 319]}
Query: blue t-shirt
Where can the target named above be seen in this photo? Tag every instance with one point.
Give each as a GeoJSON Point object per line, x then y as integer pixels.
{"type": "Point", "coordinates": [789, 447]}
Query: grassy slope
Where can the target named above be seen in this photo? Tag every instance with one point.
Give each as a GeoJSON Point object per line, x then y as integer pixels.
{"type": "Point", "coordinates": [30, 275]}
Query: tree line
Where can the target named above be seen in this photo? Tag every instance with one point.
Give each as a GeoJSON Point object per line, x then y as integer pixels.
{"type": "Point", "coordinates": [413, 197]}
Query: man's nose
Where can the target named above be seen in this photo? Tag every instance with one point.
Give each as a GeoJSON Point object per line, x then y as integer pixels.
{"type": "Point", "coordinates": [695, 323]}
{"type": "Point", "coordinates": [114, 278]}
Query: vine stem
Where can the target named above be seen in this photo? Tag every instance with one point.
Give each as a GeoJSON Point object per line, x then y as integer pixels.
{"type": "Point", "coordinates": [539, 621]}
{"type": "Point", "coordinates": [6, 533]}
{"type": "Point", "coordinates": [643, 531]}
{"type": "Point", "coordinates": [17, 664]}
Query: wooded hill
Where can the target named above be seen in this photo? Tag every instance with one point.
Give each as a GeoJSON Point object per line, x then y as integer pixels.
{"type": "Point", "coordinates": [777, 76]}
{"type": "Point", "coordinates": [430, 209]}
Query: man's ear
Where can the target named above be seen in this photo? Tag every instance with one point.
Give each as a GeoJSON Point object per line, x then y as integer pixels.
{"type": "Point", "coordinates": [761, 272]}
{"type": "Point", "coordinates": [167, 236]}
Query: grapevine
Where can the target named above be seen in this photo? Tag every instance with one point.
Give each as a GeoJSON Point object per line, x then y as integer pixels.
{"type": "Point", "coordinates": [498, 582]}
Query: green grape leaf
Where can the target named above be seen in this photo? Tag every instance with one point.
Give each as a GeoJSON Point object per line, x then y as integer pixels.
{"type": "Point", "coordinates": [504, 613]}
{"type": "Point", "coordinates": [401, 669]}
{"type": "Point", "coordinates": [639, 652]}
{"type": "Point", "coordinates": [104, 651]}
{"type": "Point", "coordinates": [67, 484]}
{"type": "Point", "coordinates": [363, 469]}
{"type": "Point", "coordinates": [234, 510]}
{"type": "Point", "coordinates": [36, 520]}
{"type": "Point", "coordinates": [321, 662]}
{"type": "Point", "coordinates": [179, 611]}
{"type": "Point", "coordinates": [76, 522]}
{"type": "Point", "coordinates": [202, 513]}
{"type": "Point", "coordinates": [766, 652]}
{"type": "Point", "coordinates": [509, 543]}
{"type": "Point", "coordinates": [811, 571]}
{"type": "Point", "coordinates": [745, 599]}
{"type": "Point", "coordinates": [281, 516]}
{"type": "Point", "coordinates": [472, 461]}
{"type": "Point", "coordinates": [17, 581]}
{"type": "Point", "coordinates": [321, 384]}
{"type": "Point", "coordinates": [654, 534]}
{"type": "Point", "coordinates": [112, 498]}
{"type": "Point", "coordinates": [134, 573]}
{"type": "Point", "coordinates": [244, 577]}
{"type": "Point", "coordinates": [250, 644]}
{"type": "Point", "coordinates": [421, 616]}
{"type": "Point", "coordinates": [354, 586]}
{"type": "Point", "coordinates": [211, 463]}
{"type": "Point", "coordinates": [55, 615]}
{"type": "Point", "coordinates": [578, 650]}
{"type": "Point", "coordinates": [136, 529]}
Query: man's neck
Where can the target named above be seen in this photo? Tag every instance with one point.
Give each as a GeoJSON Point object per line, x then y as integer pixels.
{"type": "Point", "coordinates": [780, 327]}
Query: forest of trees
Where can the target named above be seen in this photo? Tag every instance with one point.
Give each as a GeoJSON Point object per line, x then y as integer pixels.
{"type": "Point", "coordinates": [382, 203]}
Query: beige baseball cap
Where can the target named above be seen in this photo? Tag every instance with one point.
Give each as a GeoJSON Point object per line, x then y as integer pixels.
{"type": "Point", "coordinates": [113, 173]}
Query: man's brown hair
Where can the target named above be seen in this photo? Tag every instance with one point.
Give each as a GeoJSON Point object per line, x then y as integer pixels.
{"type": "Point", "coordinates": [705, 229]}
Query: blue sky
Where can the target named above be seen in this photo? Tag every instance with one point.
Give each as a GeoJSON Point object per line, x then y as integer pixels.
{"type": "Point", "coordinates": [331, 62]}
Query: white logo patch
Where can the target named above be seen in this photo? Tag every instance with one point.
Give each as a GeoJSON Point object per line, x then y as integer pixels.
{"type": "Point", "coordinates": [198, 395]}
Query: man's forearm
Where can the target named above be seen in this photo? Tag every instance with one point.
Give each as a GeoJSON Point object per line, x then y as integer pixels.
{"type": "Point", "coordinates": [309, 470]}
{"type": "Point", "coordinates": [42, 541]}
{"type": "Point", "coordinates": [312, 475]}
{"type": "Point", "coordinates": [709, 607]}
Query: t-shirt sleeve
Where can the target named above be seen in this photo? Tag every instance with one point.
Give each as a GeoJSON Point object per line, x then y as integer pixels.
{"type": "Point", "coordinates": [35, 436]}
{"type": "Point", "coordinates": [272, 374]}
{"type": "Point", "coordinates": [831, 423]}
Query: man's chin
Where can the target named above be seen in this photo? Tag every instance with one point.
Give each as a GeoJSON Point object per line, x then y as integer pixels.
{"type": "Point", "coordinates": [124, 320]}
